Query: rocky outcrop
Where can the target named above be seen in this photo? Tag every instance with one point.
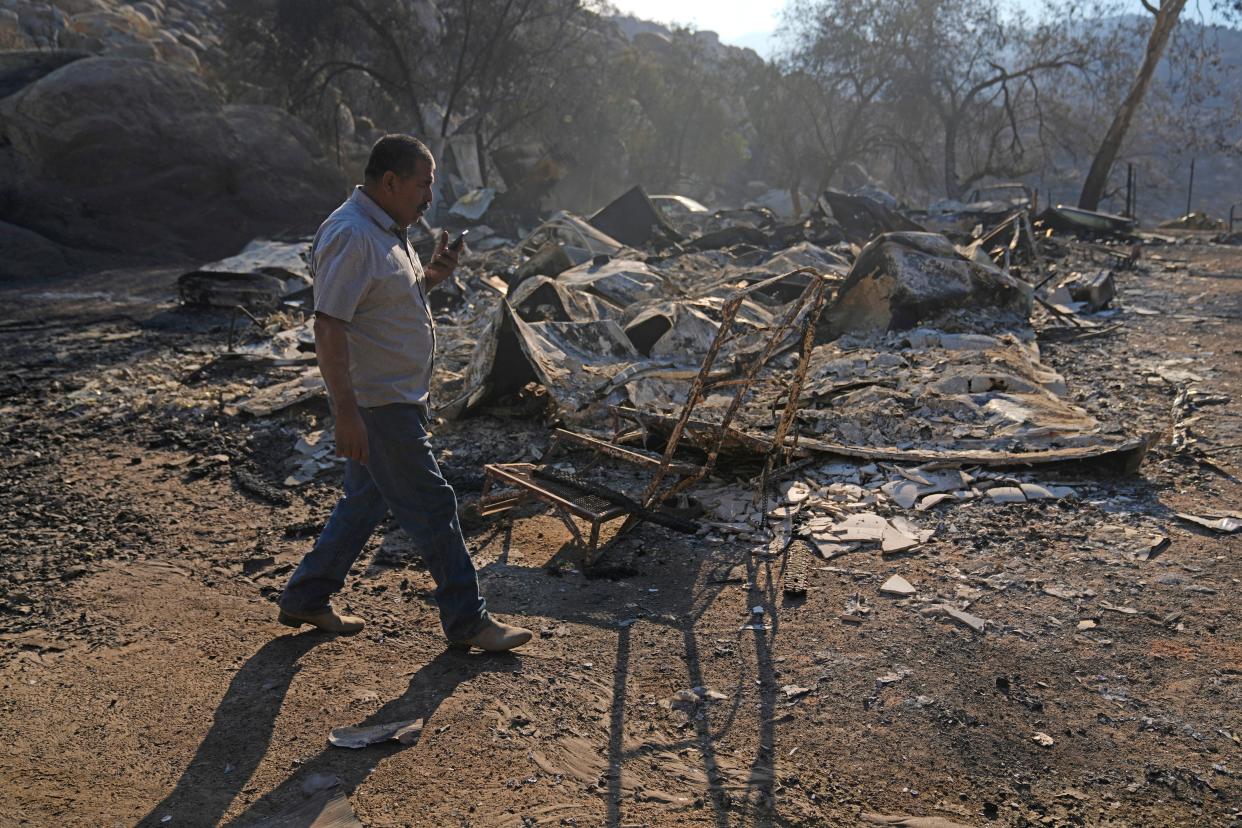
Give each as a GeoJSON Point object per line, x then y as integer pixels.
{"type": "Point", "coordinates": [138, 157]}
{"type": "Point", "coordinates": [174, 31]}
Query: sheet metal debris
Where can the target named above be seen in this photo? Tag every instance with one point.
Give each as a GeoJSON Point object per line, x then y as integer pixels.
{"type": "Point", "coordinates": [1088, 222]}
{"type": "Point", "coordinates": [257, 278]}
{"type": "Point", "coordinates": [1228, 525]}
{"type": "Point", "coordinates": [306, 385]}
{"type": "Point", "coordinates": [406, 733]}
{"type": "Point", "coordinates": [632, 219]}
{"type": "Point", "coordinates": [899, 586]}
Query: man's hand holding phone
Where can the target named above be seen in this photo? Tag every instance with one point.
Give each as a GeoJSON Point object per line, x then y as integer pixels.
{"type": "Point", "coordinates": [444, 260]}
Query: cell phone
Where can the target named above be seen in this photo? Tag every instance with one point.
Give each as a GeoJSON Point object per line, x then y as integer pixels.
{"type": "Point", "coordinates": [459, 241]}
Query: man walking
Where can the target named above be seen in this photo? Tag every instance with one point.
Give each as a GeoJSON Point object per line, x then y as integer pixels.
{"type": "Point", "coordinates": [375, 341]}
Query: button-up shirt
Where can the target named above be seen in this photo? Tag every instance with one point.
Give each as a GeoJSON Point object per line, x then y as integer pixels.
{"type": "Point", "coordinates": [367, 276]}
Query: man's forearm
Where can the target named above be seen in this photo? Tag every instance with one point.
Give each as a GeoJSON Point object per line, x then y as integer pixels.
{"type": "Point", "coordinates": [332, 353]}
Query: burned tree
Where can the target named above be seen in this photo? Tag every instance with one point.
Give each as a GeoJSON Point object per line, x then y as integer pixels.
{"type": "Point", "coordinates": [968, 70]}
{"type": "Point", "coordinates": [1191, 69]}
{"type": "Point", "coordinates": [784, 147]}
{"type": "Point", "coordinates": [833, 81]}
{"type": "Point", "coordinates": [1166, 15]}
{"type": "Point", "coordinates": [975, 72]}
{"type": "Point", "coordinates": [503, 61]}
{"type": "Point", "coordinates": [480, 67]}
{"type": "Point", "coordinates": [317, 53]}
{"type": "Point", "coordinates": [681, 127]}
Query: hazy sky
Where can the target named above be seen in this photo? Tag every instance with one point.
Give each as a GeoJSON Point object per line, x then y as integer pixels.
{"type": "Point", "coordinates": [752, 22]}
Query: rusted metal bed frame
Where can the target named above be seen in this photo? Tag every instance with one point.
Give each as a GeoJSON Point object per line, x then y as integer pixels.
{"type": "Point", "coordinates": [670, 478]}
{"type": "Point", "coordinates": [812, 300]}
{"type": "Point", "coordinates": [567, 502]}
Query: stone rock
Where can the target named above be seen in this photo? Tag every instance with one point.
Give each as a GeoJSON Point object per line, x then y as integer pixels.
{"type": "Point", "coordinates": [178, 54]}
{"type": "Point", "coordinates": [902, 279]}
{"type": "Point", "coordinates": [72, 7]}
{"type": "Point", "coordinates": [42, 23]}
{"type": "Point", "coordinates": [114, 26]}
{"type": "Point", "coordinates": [124, 155]}
{"type": "Point", "coordinates": [20, 68]}
{"type": "Point", "coordinates": [11, 34]}
{"type": "Point", "coordinates": [27, 255]}
{"type": "Point", "coordinates": [192, 40]}
{"type": "Point", "coordinates": [149, 11]}
{"type": "Point", "coordinates": [135, 50]}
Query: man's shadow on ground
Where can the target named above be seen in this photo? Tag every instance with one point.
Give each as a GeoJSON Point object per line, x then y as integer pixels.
{"type": "Point", "coordinates": [242, 730]}
{"type": "Point", "coordinates": [239, 736]}
{"type": "Point", "coordinates": [244, 722]}
{"type": "Point", "coordinates": [692, 584]}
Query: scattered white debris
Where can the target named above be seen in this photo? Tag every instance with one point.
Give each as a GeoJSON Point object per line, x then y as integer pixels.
{"type": "Point", "coordinates": [1227, 525]}
{"type": "Point", "coordinates": [1034, 491]}
{"type": "Point", "coordinates": [897, 585]}
{"type": "Point", "coordinates": [965, 618]}
{"type": "Point", "coordinates": [1006, 494]}
{"type": "Point", "coordinates": [317, 782]}
{"type": "Point", "coordinates": [867, 526]}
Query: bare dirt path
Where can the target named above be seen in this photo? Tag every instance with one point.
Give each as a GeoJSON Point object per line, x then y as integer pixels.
{"type": "Point", "coordinates": [146, 682]}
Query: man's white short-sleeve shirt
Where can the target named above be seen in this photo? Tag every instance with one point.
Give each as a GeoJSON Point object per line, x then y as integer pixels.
{"type": "Point", "coordinates": [367, 276]}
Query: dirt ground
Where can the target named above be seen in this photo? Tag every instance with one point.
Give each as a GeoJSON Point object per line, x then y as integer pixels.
{"type": "Point", "coordinates": [146, 682]}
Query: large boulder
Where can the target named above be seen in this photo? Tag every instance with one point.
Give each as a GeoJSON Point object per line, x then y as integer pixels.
{"type": "Point", "coordinates": [902, 279]}
{"type": "Point", "coordinates": [27, 255]}
{"type": "Point", "coordinates": [138, 157]}
{"type": "Point", "coordinates": [20, 68]}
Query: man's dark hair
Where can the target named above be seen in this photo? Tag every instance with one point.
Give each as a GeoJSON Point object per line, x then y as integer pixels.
{"type": "Point", "coordinates": [398, 153]}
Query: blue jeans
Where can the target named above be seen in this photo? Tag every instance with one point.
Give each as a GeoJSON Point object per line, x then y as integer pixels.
{"type": "Point", "coordinates": [403, 477]}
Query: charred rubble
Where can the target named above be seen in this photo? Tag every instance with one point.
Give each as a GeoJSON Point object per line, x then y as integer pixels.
{"type": "Point", "coordinates": [687, 347]}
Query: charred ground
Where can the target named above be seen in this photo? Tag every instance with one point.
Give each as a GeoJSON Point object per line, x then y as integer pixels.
{"type": "Point", "coordinates": [145, 533]}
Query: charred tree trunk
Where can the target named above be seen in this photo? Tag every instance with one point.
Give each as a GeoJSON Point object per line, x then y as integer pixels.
{"type": "Point", "coordinates": [1097, 179]}
{"type": "Point", "coordinates": [952, 185]}
{"type": "Point", "coordinates": [795, 195]}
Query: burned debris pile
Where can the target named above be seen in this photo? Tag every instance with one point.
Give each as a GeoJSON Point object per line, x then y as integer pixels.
{"type": "Point", "coordinates": [923, 351]}
{"type": "Point", "coordinates": [855, 339]}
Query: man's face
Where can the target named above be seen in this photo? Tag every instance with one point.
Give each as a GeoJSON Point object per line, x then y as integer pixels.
{"type": "Point", "coordinates": [409, 196]}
